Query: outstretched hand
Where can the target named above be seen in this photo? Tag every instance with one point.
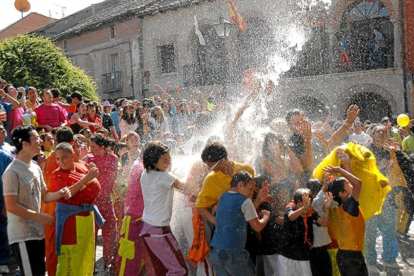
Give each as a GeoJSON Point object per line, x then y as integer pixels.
{"type": "Point", "coordinates": [352, 113]}
{"type": "Point", "coordinates": [328, 200]}
{"type": "Point", "coordinates": [341, 154]}
{"type": "Point", "coordinates": [392, 145]}
{"type": "Point", "coordinates": [332, 169]}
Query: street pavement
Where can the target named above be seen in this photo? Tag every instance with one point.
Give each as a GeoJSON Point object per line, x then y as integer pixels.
{"type": "Point", "coordinates": [405, 258]}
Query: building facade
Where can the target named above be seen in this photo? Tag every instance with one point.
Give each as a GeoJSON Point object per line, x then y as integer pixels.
{"type": "Point", "coordinates": [133, 45]}
{"type": "Point", "coordinates": [25, 25]}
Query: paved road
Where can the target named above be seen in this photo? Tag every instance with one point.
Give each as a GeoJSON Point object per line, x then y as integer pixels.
{"type": "Point", "coordinates": [405, 258]}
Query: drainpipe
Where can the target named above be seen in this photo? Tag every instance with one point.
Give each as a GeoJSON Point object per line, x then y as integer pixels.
{"type": "Point", "coordinates": [404, 63]}
{"type": "Point", "coordinates": [132, 69]}
{"type": "Point", "coordinates": [141, 58]}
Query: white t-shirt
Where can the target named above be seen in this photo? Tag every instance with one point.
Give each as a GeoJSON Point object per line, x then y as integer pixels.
{"type": "Point", "coordinates": [26, 182]}
{"type": "Point", "coordinates": [158, 196]}
{"type": "Point", "coordinates": [360, 139]}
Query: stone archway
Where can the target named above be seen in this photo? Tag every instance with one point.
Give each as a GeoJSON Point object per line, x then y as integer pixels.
{"type": "Point", "coordinates": [334, 20]}
{"type": "Point", "coordinates": [375, 102]}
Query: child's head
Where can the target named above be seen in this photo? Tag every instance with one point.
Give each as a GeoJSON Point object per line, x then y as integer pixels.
{"type": "Point", "coordinates": [48, 141]}
{"type": "Point", "coordinates": [314, 185]}
{"type": "Point", "coordinates": [340, 189]}
{"type": "Point", "coordinates": [261, 181]}
{"type": "Point", "coordinates": [243, 183]}
{"type": "Point", "coordinates": [298, 195]}
{"type": "Point", "coordinates": [157, 157]}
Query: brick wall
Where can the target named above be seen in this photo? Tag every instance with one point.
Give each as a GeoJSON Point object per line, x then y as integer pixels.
{"type": "Point", "coordinates": [29, 23]}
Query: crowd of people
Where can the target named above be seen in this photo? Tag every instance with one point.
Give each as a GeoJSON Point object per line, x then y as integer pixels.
{"type": "Point", "coordinates": [306, 198]}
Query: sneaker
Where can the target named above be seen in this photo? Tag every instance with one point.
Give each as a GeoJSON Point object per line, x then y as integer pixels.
{"type": "Point", "coordinates": [393, 265]}
{"type": "Point", "coordinates": [4, 269]}
{"type": "Point", "coordinates": [373, 270]}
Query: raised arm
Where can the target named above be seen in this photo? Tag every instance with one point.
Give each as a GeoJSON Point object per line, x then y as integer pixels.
{"type": "Point", "coordinates": [164, 93]}
{"type": "Point", "coordinates": [339, 135]}
{"type": "Point", "coordinates": [355, 181]}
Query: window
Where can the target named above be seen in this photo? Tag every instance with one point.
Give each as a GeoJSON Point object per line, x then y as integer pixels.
{"type": "Point", "coordinates": [112, 32]}
{"type": "Point", "coordinates": [371, 35]}
{"type": "Point", "coordinates": [166, 58]}
{"type": "Point", "coordinates": [113, 63]}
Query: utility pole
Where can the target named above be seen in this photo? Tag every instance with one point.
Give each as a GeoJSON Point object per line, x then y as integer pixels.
{"type": "Point", "coordinates": [63, 9]}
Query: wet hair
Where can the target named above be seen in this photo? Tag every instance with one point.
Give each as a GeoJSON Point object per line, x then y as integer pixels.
{"type": "Point", "coordinates": [165, 104]}
{"type": "Point", "coordinates": [64, 146]}
{"type": "Point", "coordinates": [314, 185]}
{"type": "Point", "coordinates": [259, 179]}
{"type": "Point", "coordinates": [130, 120]}
{"type": "Point", "coordinates": [152, 153]}
{"type": "Point", "coordinates": [269, 137]}
{"type": "Point", "coordinates": [55, 92]}
{"type": "Point", "coordinates": [241, 176]}
{"type": "Point", "coordinates": [213, 138]}
{"type": "Point", "coordinates": [378, 128]}
{"type": "Point", "coordinates": [213, 152]}
{"type": "Point", "coordinates": [131, 134]}
{"type": "Point", "coordinates": [297, 196]}
{"type": "Point", "coordinates": [102, 141]}
{"type": "Point", "coordinates": [76, 94]}
{"type": "Point", "coordinates": [21, 134]}
{"type": "Point", "coordinates": [292, 113]}
{"type": "Point", "coordinates": [64, 134]}
{"type": "Point", "coordinates": [153, 115]}
{"type": "Point", "coordinates": [104, 132]}
{"type": "Point", "coordinates": [83, 130]}
{"type": "Point", "coordinates": [118, 147]}
{"type": "Point", "coordinates": [335, 187]}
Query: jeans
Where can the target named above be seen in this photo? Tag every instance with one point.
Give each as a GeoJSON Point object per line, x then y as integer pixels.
{"type": "Point", "coordinates": [386, 223]}
{"type": "Point", "coordinates": [232, 262]}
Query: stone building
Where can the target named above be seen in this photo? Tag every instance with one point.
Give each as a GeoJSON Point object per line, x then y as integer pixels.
{"type": "Point", "coordinates": [128, 46]}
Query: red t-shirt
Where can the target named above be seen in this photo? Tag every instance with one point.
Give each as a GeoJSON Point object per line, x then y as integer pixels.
{"type": "Point", "coordinates": [88, 194]}
{"type": "Point", "coordinates": [51, 115]}
{"type": "Point", "coordinates": [95, 120]}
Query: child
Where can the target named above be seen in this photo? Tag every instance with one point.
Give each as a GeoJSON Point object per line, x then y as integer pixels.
{"type": "Point", "coordinates": [320, 261]}
{"type": "Point", "coordinates": [345, 191]}
{"type": "Point", "coordinates": [298, 233]}
{"type": "Point", "coordinates": [163, 256]}
{"type": "Point", "coordinates": [229, 256]}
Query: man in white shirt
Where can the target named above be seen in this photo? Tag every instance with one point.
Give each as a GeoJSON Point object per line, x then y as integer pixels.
{"type": "Point", "coordinates": [359, 137]}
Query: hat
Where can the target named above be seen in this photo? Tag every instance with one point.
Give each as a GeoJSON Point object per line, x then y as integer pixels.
{"type": "Point", "coordinates": [107, 103]}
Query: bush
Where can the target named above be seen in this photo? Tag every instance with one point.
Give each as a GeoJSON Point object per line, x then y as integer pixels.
{"type": "Point", "coordinates": [36, 61]}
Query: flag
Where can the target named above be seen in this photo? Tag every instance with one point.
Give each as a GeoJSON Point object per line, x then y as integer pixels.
{"type": "Point", "coordinates": [236, 18]}
{"type": "Point", "coordinates": [198, 32]}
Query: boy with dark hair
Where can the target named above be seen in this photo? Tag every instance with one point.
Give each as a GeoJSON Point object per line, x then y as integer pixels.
{"type": "Point", "coordinates": [24, 189]}
{"type": "Point", "coordinates": [298, 233]}
{"type": "Point", "coordinates": [229, 256]}
{"type": "Point", "coordinates": [218, 180]}
{"type": "Point", "coordinates": [346, 191]}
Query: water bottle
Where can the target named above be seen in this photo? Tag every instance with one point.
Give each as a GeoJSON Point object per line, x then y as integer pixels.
{"type": "Point", "coordinates": [3, 115]}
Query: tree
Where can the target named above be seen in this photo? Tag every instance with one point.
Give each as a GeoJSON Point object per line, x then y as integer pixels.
{"type": "Point", "coordinates": [36, 61]}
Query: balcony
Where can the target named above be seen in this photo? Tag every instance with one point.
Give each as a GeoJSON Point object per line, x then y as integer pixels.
{"type": "Point", "coordinates": [111, 82]}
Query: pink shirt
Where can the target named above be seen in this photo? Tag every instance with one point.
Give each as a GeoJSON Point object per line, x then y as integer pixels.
{"type": "Point", "coordinates": [107, 166]}
{"type": "Point", "coordinates": [15, 118]}
{"type": "Point", "coordinates": [51, 115]}
{"type": "Point", "coordinates": [134, 202]}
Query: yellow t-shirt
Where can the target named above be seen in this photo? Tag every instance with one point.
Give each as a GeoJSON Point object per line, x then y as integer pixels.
{"type": "Point", "coordinates": [352, 230]}
{"type": "Point", "coordinates": [31, 105]}
{"type": "Point", "coordinates": [217, 183]}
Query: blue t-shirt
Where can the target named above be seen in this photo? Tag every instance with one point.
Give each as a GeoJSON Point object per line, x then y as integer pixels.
{"type": "Point", "coordinates": [8, 107]}
{"type": "Point", "coordinates": [115, 119]}
{"type": "Point", "coordinates": [231, 225]}
{"type": "Point", "coordinates": [5, 160]}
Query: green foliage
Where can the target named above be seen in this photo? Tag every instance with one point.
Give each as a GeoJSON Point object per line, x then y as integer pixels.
{"type": "Point", "coordinates": [37, 61]}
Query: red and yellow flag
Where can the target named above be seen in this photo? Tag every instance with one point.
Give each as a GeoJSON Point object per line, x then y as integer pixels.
{"type": "Point", "coordinates": [236, 18]}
